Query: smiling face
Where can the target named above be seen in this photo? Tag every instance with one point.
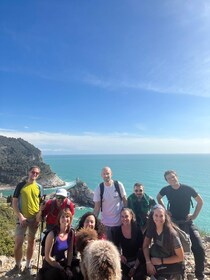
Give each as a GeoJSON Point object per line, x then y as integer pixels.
{"type": "Point", "coordinates": [139, 191]}
{"type": "Point", "coordinates": [59, 200]}
{"type": "Point", "coordinates": [90, 222]}
{"type": "Point", "coordinates": [159, 217]}
{"type": "Point", "coordinates": [33, 173]}
{"type": "Point", "coordinates": [65, 218]}
{"type": "Point", "coordinates": [126, 217]}
{"type": "Point", "coordinates": [106, 174]}
{"type": "Point", "coordinates": [172, 179]}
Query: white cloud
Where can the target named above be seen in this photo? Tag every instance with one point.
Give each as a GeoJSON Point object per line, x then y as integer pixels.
{"type": "Point", "coordinates": [56, 143]}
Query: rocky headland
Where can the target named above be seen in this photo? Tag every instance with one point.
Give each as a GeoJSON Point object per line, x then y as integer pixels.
{"type": "Point", "coordinates": [16, 157]}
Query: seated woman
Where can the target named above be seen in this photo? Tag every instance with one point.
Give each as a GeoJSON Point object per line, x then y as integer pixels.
{"type": "Point", "coordinates": [90, 220]}
{"type": "Point", "coordinates": [165, 257]}
{"type": "Point", "coordinates": [59, 241]}
{"type": "Point", "coordinates": [131, 241]}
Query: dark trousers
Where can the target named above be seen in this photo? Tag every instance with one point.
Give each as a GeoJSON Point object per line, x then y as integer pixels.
{"type": "Point", "coordinates": [197, 248]}
{"type": "Point", "coordinates": [198, 251]}
{"type": "Point", "coordinates": [112, 234]}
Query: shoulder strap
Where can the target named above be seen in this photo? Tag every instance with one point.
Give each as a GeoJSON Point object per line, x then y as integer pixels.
{"type": "Point", "coordinates": [52, 206]}
{"type": "Point", "coordinates": [101, 193]}
{"type": "Point", "coordinates": [68, 202]}
{"type": "Point", "coordinates": [117, 188]}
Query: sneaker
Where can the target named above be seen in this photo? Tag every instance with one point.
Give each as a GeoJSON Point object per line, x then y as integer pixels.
{"type": "Point", "coordinates": [14, 271]}
{"type": "Point", "coordinates": [27, 272]}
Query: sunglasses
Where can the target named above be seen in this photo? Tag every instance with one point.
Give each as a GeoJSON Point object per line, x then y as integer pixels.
{"type": "Point", "coordinates": [34, 173]}
{"type": "Point", "coordinates": [60, 197]}
{"type": "Point", "coordinates": [138, 190]}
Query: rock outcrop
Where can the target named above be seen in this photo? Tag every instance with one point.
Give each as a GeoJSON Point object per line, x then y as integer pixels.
{"type": "Point", "coordinates": [16, 157]}
{"type": "Point", "coordinates": [81, 194]}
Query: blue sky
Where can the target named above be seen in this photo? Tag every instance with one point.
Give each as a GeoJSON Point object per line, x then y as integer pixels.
{"type": "Point", "coordinates": [103, 77]}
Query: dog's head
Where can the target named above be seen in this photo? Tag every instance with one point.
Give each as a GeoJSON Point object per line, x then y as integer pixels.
{"type": "Point", "coordinates": [102, 260]}
{"type": "Point", "coordinates": [83, 237]}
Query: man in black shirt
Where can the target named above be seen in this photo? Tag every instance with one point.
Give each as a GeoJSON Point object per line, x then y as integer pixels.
{"type": "Point", "coordinates": [179, 202]}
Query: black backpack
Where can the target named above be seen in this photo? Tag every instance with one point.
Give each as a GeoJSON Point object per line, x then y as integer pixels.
{"type": "Point", "coordinates": [117, 189]}
{"type": "Point", "coordinates": [43, 240]}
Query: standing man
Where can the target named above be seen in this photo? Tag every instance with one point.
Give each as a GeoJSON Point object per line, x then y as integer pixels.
{"type": "Point", "coordinates": [26, 200]}
{"type": "Point", "coordinates": [110, 197]}
{"type": "Point", "coordinates": [179, 198]}
{"type": "Point", "coordinates": [52, 208]}
{"type": "Point", "coordinates": [141, 204]}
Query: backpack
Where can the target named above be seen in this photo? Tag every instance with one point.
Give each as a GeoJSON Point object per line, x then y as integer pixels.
{"type": "Point", "coordinates": [117, 189]}
{"type": "Point", "coordinates": [53, 204]}
{"type": "Point", "coordinates": [43, 240]}
{"type": "Point", "coordinates": [185, 240]}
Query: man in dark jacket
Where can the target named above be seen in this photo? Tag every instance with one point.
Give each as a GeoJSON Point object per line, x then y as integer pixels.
{"type": "Point", "coordinates": [141, 204]}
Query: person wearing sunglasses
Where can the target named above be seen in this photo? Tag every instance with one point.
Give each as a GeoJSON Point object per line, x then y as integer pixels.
{"type": "Point", "coordinates": [26, 201]}
{"type": "Point", "coordinates": [50, 210]}
{"type": "Point", "coordinates": [141, 204]}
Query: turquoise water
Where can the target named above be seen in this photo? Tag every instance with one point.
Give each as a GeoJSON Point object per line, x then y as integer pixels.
{"type": "Point", "coordinates": [147, 169]}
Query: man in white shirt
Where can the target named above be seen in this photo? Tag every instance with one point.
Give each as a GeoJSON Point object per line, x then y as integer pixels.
{"type": "Point", "coordinates": [110, 200]}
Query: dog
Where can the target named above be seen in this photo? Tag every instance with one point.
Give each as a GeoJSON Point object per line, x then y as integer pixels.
{"type": "Point", "coordinates": [100, 259]}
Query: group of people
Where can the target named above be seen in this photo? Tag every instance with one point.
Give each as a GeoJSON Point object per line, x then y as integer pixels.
{"type": "Point", "coordinates": [143, 231]}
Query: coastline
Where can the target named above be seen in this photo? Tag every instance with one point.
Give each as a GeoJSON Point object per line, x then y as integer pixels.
{"type": "Point", "coordinates": [6, 187]}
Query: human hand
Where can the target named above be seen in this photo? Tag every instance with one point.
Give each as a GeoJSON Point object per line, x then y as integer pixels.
{"type": "Point", "coordinates": [42, 206]}
{"type": "Point", "coordinates": [132, 272]}
{"type": "Point", "coordinates": [150, 268]}
{"type": "Point", "coordinates": [22, 221]}
{"type": "Point", "coordinates": [190, 217]}
{"type": "Point", "coordinates": [123, 259]}
{"type": "Point", "coordinates": [69, 273]}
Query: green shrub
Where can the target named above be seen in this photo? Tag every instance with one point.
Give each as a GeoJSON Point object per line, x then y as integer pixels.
{"type": "Point", "coordinates": [7, 227]}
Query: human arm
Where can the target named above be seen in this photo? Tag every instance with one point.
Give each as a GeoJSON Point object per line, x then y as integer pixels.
{"type": "Point", "coordinates": [160, 200]}
{"type": "Point", "coordinates": [198, 207]}
{"type": "Point", "coordinates": [49, 242]}
{"type": "Point", "coordinates": [124, 199]}
{"type": "Point", "coordinates": [150, 267]}
{"type": "Point", "coordinates": [177, 257]}
{"type": "Point", "coordinates": [40, 215]}
{"type": "Point", "coordinates": [97, 207]}
{"type": "Point", "coordinates": [22, 219]}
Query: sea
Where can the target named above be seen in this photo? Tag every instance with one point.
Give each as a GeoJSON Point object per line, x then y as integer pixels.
{"type": "Point", "coordinates": [192, 169]}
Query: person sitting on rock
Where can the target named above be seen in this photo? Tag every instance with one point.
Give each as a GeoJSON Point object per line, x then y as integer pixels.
{"type": "Point", "coordinates": [52, 207]}
{"type": "Point", "coordinates": [59, 249]}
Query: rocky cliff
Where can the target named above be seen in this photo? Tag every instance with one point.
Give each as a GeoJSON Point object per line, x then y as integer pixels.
{"type": "Point", "coordinates": [16, 157]}
{"type": "Point", "coordinates": [80, 194]}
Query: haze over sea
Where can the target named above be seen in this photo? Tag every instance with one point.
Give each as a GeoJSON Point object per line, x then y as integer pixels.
{"type": "Point", "coordinates": [192, 170]}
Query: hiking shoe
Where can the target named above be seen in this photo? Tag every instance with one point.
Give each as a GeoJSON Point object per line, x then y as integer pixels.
{"type": "Point", "coordinates": [15, 270]}
{"type": "Point", "coordinates": [27, 272]}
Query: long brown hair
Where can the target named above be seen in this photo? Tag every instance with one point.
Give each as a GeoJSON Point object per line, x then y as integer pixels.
{"type": "Point", "coordinates": [168, 228]}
